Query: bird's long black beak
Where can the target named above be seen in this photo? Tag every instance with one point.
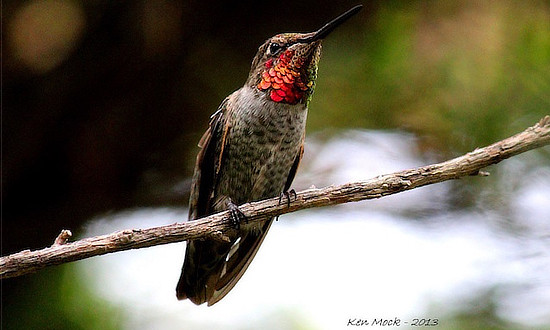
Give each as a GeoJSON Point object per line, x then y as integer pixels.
{"type": "Point", "coordinates": [330, 26]}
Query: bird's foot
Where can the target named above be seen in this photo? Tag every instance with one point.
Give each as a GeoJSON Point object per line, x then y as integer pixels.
{"type": "Point", "coordinates": [286, 194]}
{"type": "Point", "coordinates": [237, 216]}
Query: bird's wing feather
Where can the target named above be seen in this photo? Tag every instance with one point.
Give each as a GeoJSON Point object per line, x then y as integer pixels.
{"type": "Point", "coordinates": [208, 163]}
{"type": "Point", "coordinates": [239, 258]}
{"type": "Point", "coordinates": [294, 167]}
{"type": "Point", "coordinates": [198, 278]}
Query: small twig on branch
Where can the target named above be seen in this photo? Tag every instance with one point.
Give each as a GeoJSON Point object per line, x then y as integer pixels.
{"type": "Point", "coordinates": [218, 225]}
{"type": "Point", "coordinates": [63, 237]}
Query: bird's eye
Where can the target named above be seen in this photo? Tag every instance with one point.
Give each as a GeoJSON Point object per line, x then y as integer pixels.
{"type": "Point", "coordinates": [275, 48]}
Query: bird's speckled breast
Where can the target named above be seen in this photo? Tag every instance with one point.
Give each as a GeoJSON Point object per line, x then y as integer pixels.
{"type": "Point", "coordinates": [263, 141]}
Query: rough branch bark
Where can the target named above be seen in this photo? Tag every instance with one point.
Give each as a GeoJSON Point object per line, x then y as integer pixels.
{"type": "Point", "coordinates": [218, 226]}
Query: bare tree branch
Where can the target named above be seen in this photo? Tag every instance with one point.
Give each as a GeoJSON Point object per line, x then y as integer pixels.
{"type": "Point", "coordinates": [219, 227]}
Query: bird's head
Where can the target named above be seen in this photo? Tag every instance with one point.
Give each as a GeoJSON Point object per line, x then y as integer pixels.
{"type": "Point", "coordinates": [285, 66]}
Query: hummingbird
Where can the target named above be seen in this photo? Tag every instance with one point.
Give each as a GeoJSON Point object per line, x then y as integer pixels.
{"type": "Point", "coordinates": [251, 151]}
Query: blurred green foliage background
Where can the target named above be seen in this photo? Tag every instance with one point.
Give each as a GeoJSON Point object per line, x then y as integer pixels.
{"type": "Point", "coordinates": [103, 103]}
